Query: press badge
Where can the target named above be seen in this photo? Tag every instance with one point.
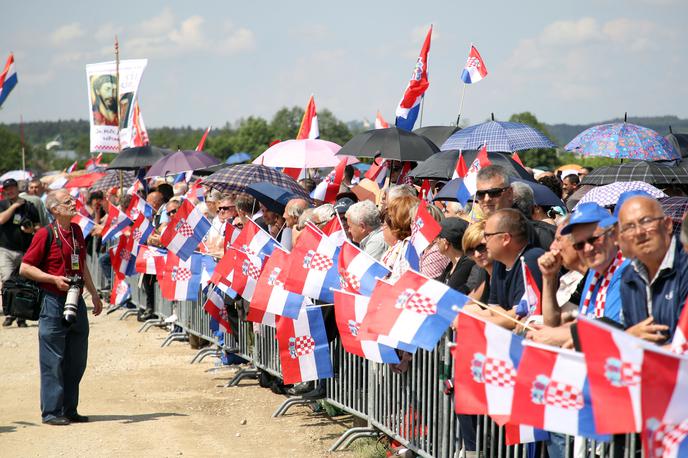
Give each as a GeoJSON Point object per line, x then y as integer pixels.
{"type": "Point", "coordinates": [75, 261]}
{"type": "Point", "coordinates": [17, 219]}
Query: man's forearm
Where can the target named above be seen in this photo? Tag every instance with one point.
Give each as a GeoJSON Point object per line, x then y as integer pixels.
{"type": "Point", "coordinates": [35, 274]}
{"type": "Point", "coordinates": [7, 214]}
{"type": "Point", "coordinates": [551, 312]}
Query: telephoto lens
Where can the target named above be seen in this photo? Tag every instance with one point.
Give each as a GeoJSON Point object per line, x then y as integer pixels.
{"type": "Point", "coordinates": [72, 300]}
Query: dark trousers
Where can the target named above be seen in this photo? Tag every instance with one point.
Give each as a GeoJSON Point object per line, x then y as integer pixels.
{"type": "Point", "coordinates": [149, 288]}
{"type": "Point", "coordinates": [62, 351]}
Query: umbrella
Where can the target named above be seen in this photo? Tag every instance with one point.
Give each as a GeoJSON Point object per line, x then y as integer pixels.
{"type": "Point", "coordinates": [18, 175]}
{"type": "Point", "coordinates": [273, 197]}
{"type": "Point", "coordinates": [111, 180]}
{"type": "Point", "coordinates": [84, 181]}
{"type": "Point", "coordinates": [390, 143]}
{"type": "Point", "coordinates": [576, 167]}
{"type": "Point", "coordinates": [237, 158]}
{"type": "Point", "coordinates": [449, 190]}
{"type": "Point", "coordinates": [675, 208]}
{"type": "Point", "coordinates": [437, 134]}
{"type": "Point", "coordinates": [303, 154]}
{"type": "Point", "coordinates": [441, 166]}
{"type": "Point", "coordinates": [181, 161]}
{"type": "Point", "coordinates": [623, 140]}
{"type": "Point", "coordinates": [543, 196]}
{"type": "Point", "coordinates": [138, 157]}
{"type": "Point", "coordinates": [210, 170]}
{"type": "Point", "coordinates": [679, 142]}
{"type": "Point", "coordinates": [498, 136]}
{"type": "Point", "coordinates": [367, 190]}
{"type": "Point", "coordinates": [608, 195]}
{"type": "Point", "coordinates": [649, 172]}
{"type": "Point", "coordinates": [235, 179]}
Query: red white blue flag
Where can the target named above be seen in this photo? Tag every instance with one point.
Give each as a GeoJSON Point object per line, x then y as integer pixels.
{"type": "Point", "coordinates": [115, 223]}
{"type": "Point", "coordinates": [409, 106]}
{"type": "Point", "coordinates": [523, 434]}
{"type": "Point", "coordinates": [470, 180]}
{"type": "Point", "coordinates": [72, 167]}
{"type": "Point", "coordinates": [358, 271]}
{"type": "Point", "coordinates": [460, 171]}
{"type": "Point", "coordinates": [530, 303]}
{"type": "Point", "coordinates": [8, 79]}
{"type": "Point", "coordinates": [380, 122]}
{"type": "Point", "coordinates": [140, 232]}
{"type": "Point", "coordinates": [121, 291]}
{"type": "Point", "coordinates": [181, 279]}
{"type": "Point", "coordinates": [185, 231]}
{"type": "Point", "coordinates": [247, 268]}
{"type": "Point", "coordinates": [151, 260]}
{"type": "Point", "coordinates": [122, 258]}
{"type": "Point", "coordinates": [85, 223]}
{"type": "Point", "coordinates": [215, 307]}
{"type": "Point", "coordinates": [475, 69]}
{"type": "Point", "coordinates": [304, 350]}
{"type": "Point", "coordinates": [679, 344]}
{"type": "Point", "coordinates": [313, 265]}
{"type": "Point", "coordinates": [552, 392]}
{"type": "Point", "coordinates": [378, 171]}
{"type": "Point", "coordinates": [254, 240]}
{"type": "Point", "coordinates": [138, 206]}
{"type": "Point", "coordinates": [349, 311]}
{"type": "Point", "coordinates": [269, 295]}
{"type": "Point", "coordinates": [423, 232]}
{"type": "Point", "coordinates": [334, 230]}
{"type": "Point", "coordinates": [328, 188]}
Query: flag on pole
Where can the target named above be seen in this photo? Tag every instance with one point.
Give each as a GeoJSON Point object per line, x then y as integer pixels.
{"type": "Point", "coordinates": [409, 106]}
{"type": "Point", "coordinates": [201, 143]}
{"type": "Point", "coordinates": [334, 230]}
{"type": "Point", "coordinates": [72, 167]}
{"type": "Point", "coordinates": [475, 69]}
{"type": "Point", "coordinates": [380, 122]}
{"type": "Point", "coordinates": [247, 270]}
{"type": "Point", "coordinates": [181, 279]}
{"type": "Point", "coordinates": [140, 231]}
{"type": "Point", "coordinates": [215, 307]}
{"type": "Point", "coordinates": [94, 162]}
{"type": "Point", "coordinates": [85, 223]}
{"type": "Point", "coordinates": [523, 434]}
{"type": "Point", "coordinates": [140, 133]}
{"type": "Point", "coordinates": [254, 240]}
{"type": "Point", "coordinates": [328, 188]}
{"type": "Point", "coordinates": [517, 159]}
{"type": "Point", "coordinates": [138, 206]}
{"type": "Point", "coordinates": [122, 258]}
{"type": "Point", "coordinates": [304, 350]}
{"type": "Point", "coordinates": [423, 232]}
{"type": "Point", "coordinates": [425, 192]}
{"type": "Point", "coordinates": [530, 303]}
{"type": "Point", "coordinates": [679, 344]}
{"type": "Point", "coordinates": [115, 223]}
{"type": "Point", "coordinates": [309, 122]}
{"type": "Point", "coordinates": [481, 160]}
{"type": "Point", "coordinates": [185, 231]}
{"type": "Point", "coordinates": [151, 260]}
{"type": "Point", "coordinates": [269, 295]}
{"type": "Point", "coordinates": [8, 79]}
{"type": "Point", "coordinates": [460, 171]}
{"type": "Point", "coordinates": [378, 172]}
{"type": "Point", "coordinates": [121, 291]}
{"type": "Point", "coordinates": [358, 271]}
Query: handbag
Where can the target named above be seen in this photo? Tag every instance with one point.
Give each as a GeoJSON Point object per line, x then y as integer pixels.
{"type": "Point", "coordinates": [22, 297]}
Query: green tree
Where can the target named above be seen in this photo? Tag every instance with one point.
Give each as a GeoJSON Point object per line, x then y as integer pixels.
{"type": "Point", "coordinates": [286, 122]}
{"type": "Point", "coordinates": [10, 150]}
{"type": "Point", "coordinates": [253, 135]}
{"type": "Point", "coordinates": [535, 157]}
{"type": "Point", "coordinates": [333, 129]}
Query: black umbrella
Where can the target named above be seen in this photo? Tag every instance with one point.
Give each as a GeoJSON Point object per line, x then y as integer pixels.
{"type": "Point", "coordinates": [210, 170]}
{"type": "Point", "coordinates": [649, 172]}
{"type": "Point", "coordinates": [437, 134]}
{"type": "Point", "coordinates": [138, 157]}
{"type": "Point", "coordinates": [441, 166]}
{"type": "Point", "coordinates": [680, 142]}
{"type": "Point", "coordinates": [112, 179]}
{"type": "Point", "coordinates": [390, 143]}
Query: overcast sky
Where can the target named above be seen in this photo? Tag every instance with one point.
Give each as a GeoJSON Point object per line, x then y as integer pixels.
{"type": "Point", "coordinates": [216, 61]}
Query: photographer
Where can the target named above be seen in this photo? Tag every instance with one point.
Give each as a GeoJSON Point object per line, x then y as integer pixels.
{"type": "Point", "coordinates": [18, 221]}
{"type": "Point", "coordinates": [60, 271]}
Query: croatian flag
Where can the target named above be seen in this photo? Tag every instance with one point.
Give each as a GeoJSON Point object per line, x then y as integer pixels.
{"type": "Point", "coordinates": [254, 240]}
{"type": "Point", "coordinates": [121, 291]}
{"type": "Point", "coordinates": [334, 230]}
{"type": "Point", "coordinates": [231, 234]}
{"type": "Point", "coordinates": [349, 311]}
{"type": "Point", "coordinates": [378, 172]}
{"type": "Point", "coordinates": [380, 122]}
{"type": "Point", "coordinates": [304, 350]}
{"type": "Point", "coordinates": [122, 258]}
{"type": "Point", "coordinates": [517, 159]}
{"type": "Point", "coordinates": [247, 270]}
{"type": "Point", "coordinates": [552, 392]}
{"type": "Point", "coordinates": [138, 206]}
{"type": "Point", "coordinates": [185, 231]}
{"type": "Point", "coordinates": [486, 358]}
{"type": "Point", "coordinates": [201, 143]}
{"type": "Point", "coordinates": [151, 260]}
{"type": "Point", "coordinates": [140, 232]}
{"type": "Point", "coordinates": [328, 188]}
{"type": "Point", "coordinates": [313, 265]}
{"type": "Point", "coordinates": [8, 79]}
{"type": "Point", "coordinates": [530, 303]}
{"type": "Point", "coordinates": [408, 108]}
{"type": "Point", "coordinates": [309, 122]}
{"type": "Point", "coordinates": [215, 307]}
{"type": "Point", "coordinates": [417, 311]}
{"type": "Point", "coordinates": [358, 271]}
{"type": "Point", "coordinates": [85, 223]}
{"type": "Point", "coordinates": [523, 434]}
{"type": "Point", "coordinates": [269, 295]}
{"type": "Point", "coordinates": [475, 69]}
{"type": "Point", "coordinates": [665, 404]}
{"type": "Point", "coordinates": [72, 167]}
{"type": "Point", "coordinates": [94, 162]}
{"type": "Point", "coordinates": [224, 270]}
{"type": "Point", "coordinates": [679, 344]}
{"type": "Point", "coordinates": [115, 223]}
{"type": "Point", "coordinates": [181, 279]}
{"type": "Point", "coordinates": [471, 178]}
{"type": "Point", "coordinates": [423, 232]}
{"type": "Point", "coordinates": [460, 171]}
{"type": "Point", "coordinates": [425, 192]}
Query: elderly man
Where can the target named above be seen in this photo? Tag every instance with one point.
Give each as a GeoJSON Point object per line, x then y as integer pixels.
{"type": "Point", "coordinates": [493, 192]}
{"type": "Point", "coordinates": [365, 227]}
{"type": "Point", "coordinates": [294, 209]}
{"type": "Point", "coordinates": [506, 239]}
{"type": "Point", "coordinates": [62, 344]}
{"type": "Point", "coordinates": [655, 287]}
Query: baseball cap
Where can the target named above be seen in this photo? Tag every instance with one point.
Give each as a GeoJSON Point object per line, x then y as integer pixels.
{"type": "Point", "coordinates": [589, 212]}
{"type": "Point", "coordinates": [9, 182]}
{"type": "Point", "coordinates": [452, 229]}
{"type": "Point", "coordinates": [343, 204]}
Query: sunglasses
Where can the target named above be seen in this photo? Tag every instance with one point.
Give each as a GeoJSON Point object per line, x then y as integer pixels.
{"type": "Point", "coordinates": [579, 246]}
{"type": "Point", "coordinates": [493, 193]}
{"type": "Point", "coordinates": [480, 249]}
{"type": "Point", "coordinates": [225, 209]}
{"type": "Point", "coordinates": [171, 212]}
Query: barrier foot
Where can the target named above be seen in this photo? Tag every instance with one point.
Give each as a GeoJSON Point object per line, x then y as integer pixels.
{"type": "Point", "coordinates": [113, 309]}
{"type": "Point", "coordinates": [128, 313]}
{"type": "Point", "coordinates": [351, 435]}
{"type": "Point", "coordinates": [174, 337]}
{"type": "Point", "coordinates": [150, 323]}
{"type": "Point", "coordinates": [242, 374]}
{"type": "Point", "coordinates": [204, 352]}
{"type": "Point", "coordinates": [291, 402]}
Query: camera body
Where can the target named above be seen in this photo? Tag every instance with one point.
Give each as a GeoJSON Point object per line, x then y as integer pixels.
{"type": "Point", "coordinates": [72, 300]}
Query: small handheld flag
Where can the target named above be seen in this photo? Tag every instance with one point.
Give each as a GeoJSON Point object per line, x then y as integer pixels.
{"type": "Point", "coordinates": [475, 69]}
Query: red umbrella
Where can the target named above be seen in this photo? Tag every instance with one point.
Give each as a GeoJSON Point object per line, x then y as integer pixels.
{"type": "Point", "coordinates": [84, 181]}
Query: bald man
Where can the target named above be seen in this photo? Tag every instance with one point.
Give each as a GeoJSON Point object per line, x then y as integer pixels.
{"type": "Point", "coordinates": [655, 287]}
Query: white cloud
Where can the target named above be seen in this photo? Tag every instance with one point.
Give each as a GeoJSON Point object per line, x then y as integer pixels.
{"type": "Point", "coordinates": [566, 33]}
{"type": "Point", "coordinates": [309, 31]}
{"type": "Point", "coordinates": [241, 39]}
{"type": "Point", "coordinates": [66, 33]}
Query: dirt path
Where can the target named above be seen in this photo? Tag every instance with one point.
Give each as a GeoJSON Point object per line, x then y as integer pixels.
{"type": "Point", "coordinates": [149, 401]}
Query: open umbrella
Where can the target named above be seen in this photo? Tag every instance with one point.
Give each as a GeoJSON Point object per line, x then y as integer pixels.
{"type": "Point", "coordinates": [237, 158]}
{"type": "Point", "coordinates": [235, 179]}
{"type": "Point", "coordinates": [84, 181]}
{"type": "Point", "coordinates": [274, 198]}
{"type": "Point", "coordinates": [623, 140]}
{"type": "Point", "coordinates": [138, 157]}
{"type": "Point", "coordinates": [302, 154]}
{"type": "Point", "coordinates": [441, 166]}
{"type": "Point", "coordinates": [608, 195]}
{"type": "Point", "coordinates": [649, 172]}
{"type": "Point", "coordinates": [679, 142]}
{"type": "Point", "coordinates": [19, 175]}
{"type": "Point", "coordinates": [498, 136]}
{"type": "Point", "coordinates": [390, 143]}
{"type": "Point", "coordinates": [675, 208]}
{"type": "Point", "coordinates": [437, 134]}
{"type": "Point", "coordinates": [181, 161]}
{"type": "Point", "coordinates": [112, 180]}
{"type": "Point", "coordinates": [449, 191]}
{"type": "Point", "coordinates": [542, 195]}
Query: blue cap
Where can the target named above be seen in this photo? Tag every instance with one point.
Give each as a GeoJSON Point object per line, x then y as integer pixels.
{"type": "Point", "coordinates": [627, 195]}
{"type": "Point", "coordinates": [589, 212]}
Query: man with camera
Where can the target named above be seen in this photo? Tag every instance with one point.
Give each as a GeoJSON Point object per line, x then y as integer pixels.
{"type": "Point", "coordinates": [18, 221]}
{"type": "Point", "coordinates": [56, 260]}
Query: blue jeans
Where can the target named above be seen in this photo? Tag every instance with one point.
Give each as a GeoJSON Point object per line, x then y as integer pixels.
{"type": "Point", "coordinates": [62, 352]}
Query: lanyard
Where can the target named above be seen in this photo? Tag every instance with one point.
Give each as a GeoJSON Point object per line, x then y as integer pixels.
{"type": "Point", "coordinates": [57, 233]}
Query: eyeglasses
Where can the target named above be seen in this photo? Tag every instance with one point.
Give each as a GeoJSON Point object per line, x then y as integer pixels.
{"type": "Point", "coordinates": [67, 202]}
{"type": "Point", "coordinates": [645, 225]}
{"type": "Point", "coordinates": [480, 249]}
{"type": "Point", "coordinates": [579, 246]}
{"type": "Point", "coordinates": [487, 235]}
{"type": "Point", "coordinates": [171, 212]}
{"type": "Point", "coordinates": [493, 193]}
{"type": "Point", "coordinates": [225, 209]}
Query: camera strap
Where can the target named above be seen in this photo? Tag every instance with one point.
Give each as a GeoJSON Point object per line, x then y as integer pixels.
{"type": "Point", "coordinates": [74, 261]}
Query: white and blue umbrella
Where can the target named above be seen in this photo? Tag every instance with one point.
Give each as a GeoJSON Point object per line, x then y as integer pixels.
{"type": "Point", "coordinates": [505, 137]}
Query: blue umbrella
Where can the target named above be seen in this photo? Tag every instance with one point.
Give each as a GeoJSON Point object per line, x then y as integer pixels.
{"type": "Point", "coordinates": [238, 158]}
{"type": "Point", "coordinates": [273, 197]}
{"type": "Point", "coordinates": [498, 136]}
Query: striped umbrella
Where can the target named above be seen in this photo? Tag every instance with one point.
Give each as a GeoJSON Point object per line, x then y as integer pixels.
{"type": "Point", "coordinates": [505, 137]}
{"type": "Point", "coordinates": [237, 177]}
{"type": "Point", "coordinates": [649, 172]}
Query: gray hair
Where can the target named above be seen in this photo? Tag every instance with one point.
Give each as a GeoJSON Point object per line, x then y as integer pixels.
{"type": "Point", "coordinates": [454, 207]}
{"type": "Point", "coordinates": [524, 199]}
{"type": "Point", "coordinates": [399, 191]}
{"type": "Point", "coordinates": [324, 213]}
{"type": "Point", "coordinates": [305, 217]}
{"type": "Point", "coordinates": [364, 212]}
{"type": "Point", "coordinates": [493, 171]}
{"type": "Point", "coordinates": [295, 207]}
{"type": "Point", "coordinates": [52, 200]}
